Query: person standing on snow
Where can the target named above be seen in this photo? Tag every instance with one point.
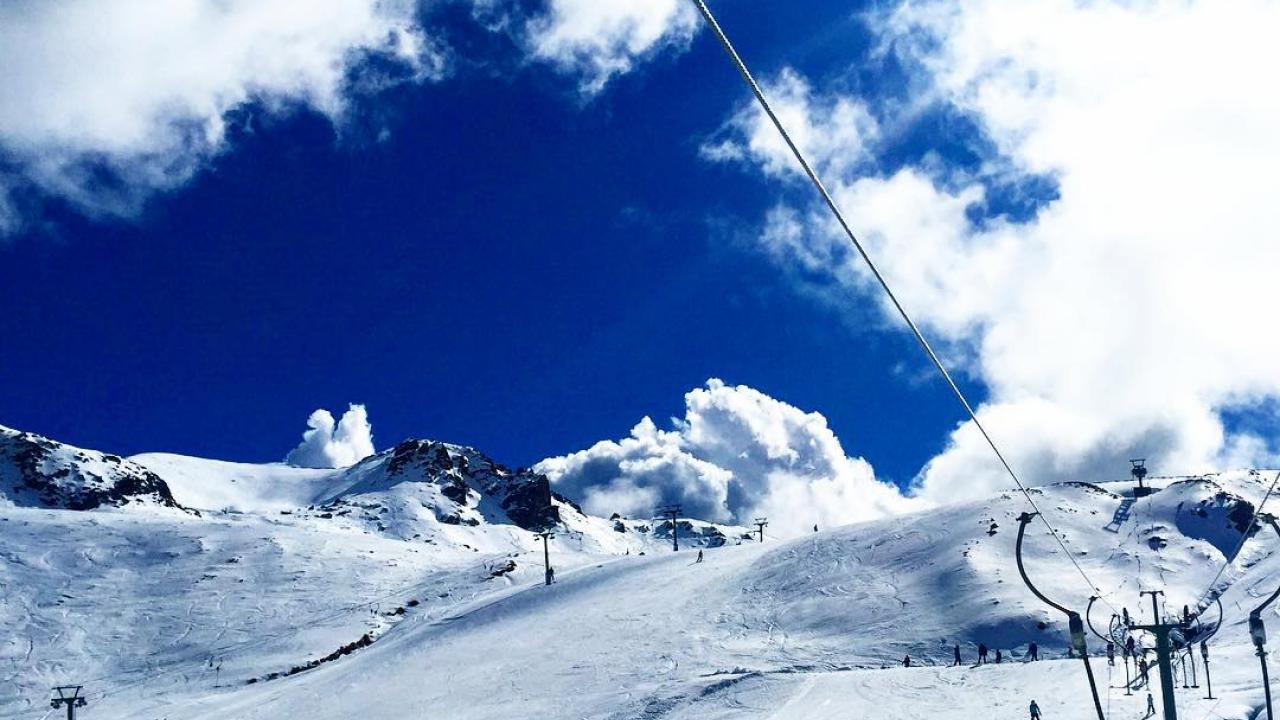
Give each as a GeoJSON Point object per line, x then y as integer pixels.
{"type": "Point", "coordinates": [699, 557]}
{"type": "Point", "coordinates": [998, 657]}
{"type": "Point", "coordinates": [982, 653]}
{"type": "Point", "coordinates": [1151, 705]}
{"type": "Point", "coordinates": [1035, 711]}
{"type": "Point", "coordinates": [956, 653]}
{"type": "Point", "coordinates": [906, 661]}
{"type": "Point", "coordinates": [1033, 650]}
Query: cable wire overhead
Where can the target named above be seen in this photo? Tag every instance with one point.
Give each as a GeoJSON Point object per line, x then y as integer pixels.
{"type": "Point", "coordinates": [875, 271]}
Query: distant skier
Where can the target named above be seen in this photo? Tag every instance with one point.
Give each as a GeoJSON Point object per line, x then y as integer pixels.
{"type": "Point", "coordinates": [699, 557]}
{"type": "Point", "coordinates": [1035, 711]}
{"type": "Point", "coordinates": [1033, 651]}
{"type": "Point", "coordinates": [906, 661]}
{"type": "Point", "coordinates": [1111, 653]}
{"type": "Point", "coordinates": [999, 657]}
{"type": "Point", "coordinates": [1142, 668]}
{"type": "Point", "coordinates": [1151, 705]}
{"type": "Point", "coordinates": [982, 653]}
{"type": "Point", "coordinates": [1128, 647]}
{"type": "Point", "coordinates": [551, 575]}
{"type": "Point", "coordinates": [815, 527]}
{"type": "Point", "coordinates": [956, 653]}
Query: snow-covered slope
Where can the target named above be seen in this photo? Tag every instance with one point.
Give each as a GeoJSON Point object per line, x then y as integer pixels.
{"type": "Point", "coordinates": [410, 586]}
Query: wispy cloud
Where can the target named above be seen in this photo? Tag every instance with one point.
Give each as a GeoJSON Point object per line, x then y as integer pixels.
{"type": "Point", "coordinates": [103, 104]}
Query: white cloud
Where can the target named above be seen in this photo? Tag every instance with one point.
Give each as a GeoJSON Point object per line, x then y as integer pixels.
{"type": "Point", "coordinates": [103, 103]}
{"type": "Point", "coordinates": [327, 446]}
{"type": "Point", "coordinates": [833, 131]}
{"type": "Point", "coordinates": [603, 38]}
{"type": "Point", "coordinates": [1133, 310]}
{"type": "Point", "coordinates": [736, 454]}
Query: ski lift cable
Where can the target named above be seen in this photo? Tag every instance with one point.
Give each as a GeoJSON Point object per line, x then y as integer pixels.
{"type": "Point", "coordinates": [880, 279]}
{"type": "Point", "coordinates": [1244, 537]}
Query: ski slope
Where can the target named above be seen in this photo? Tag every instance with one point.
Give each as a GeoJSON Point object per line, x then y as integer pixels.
{"type": "Point", "coordinates": [164, 613]}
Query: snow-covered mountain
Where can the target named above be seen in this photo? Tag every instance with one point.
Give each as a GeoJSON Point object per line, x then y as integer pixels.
{"type": "Point", "coordinates": [410, 585]}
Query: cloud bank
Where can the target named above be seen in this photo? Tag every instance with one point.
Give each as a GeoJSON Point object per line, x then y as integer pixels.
{"type": "Point", "coordinates": [325, 445]}
{"type": "Point", "coordinates": [736, 454]}
{"type": "Point", "coordinates": [105, 103]}
{"type": "Point", "coordinates": [1126, 316]}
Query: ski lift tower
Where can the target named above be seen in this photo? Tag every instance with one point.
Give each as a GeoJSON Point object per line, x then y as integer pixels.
{"type": "Point", "coordinates": [1139, 473]}
{"type": "Point", "coordinates": [68, 696]}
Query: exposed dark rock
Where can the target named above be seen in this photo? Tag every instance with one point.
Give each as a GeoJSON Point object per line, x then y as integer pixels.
{"type": "Point", "coordinates": [38, 472]}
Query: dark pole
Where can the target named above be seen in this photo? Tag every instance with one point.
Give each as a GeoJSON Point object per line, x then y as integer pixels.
{"type": "Point", "coordinates": [546, 556]}
{"type": "Point", "coordinates": [1127, 681]}
{"type": "Point", "coordinates": [1258, 631]}
{"type": "Point", "coordinates": [1191, 657]}
{"type": "Point", "coordinates": [1161, 631]}
{"type": "Point", "coordinates": [1266, 681]}
{"type": "Point", "coordinates": [1204, 654]}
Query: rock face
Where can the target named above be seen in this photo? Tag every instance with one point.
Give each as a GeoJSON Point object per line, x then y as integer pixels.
{"type": "Point", "coordinates": [38, 472]}
{"type": "Point", "coordinates": [466, 477]}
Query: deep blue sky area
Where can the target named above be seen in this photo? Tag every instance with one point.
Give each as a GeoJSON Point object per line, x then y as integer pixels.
{"type": "Point", "coordinates": [514, 268]}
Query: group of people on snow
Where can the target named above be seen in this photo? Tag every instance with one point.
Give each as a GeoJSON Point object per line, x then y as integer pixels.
{"type": "Point", "coordinates": [984, 655]}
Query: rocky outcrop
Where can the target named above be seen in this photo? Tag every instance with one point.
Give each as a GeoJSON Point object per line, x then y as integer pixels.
{"type": "Point", "coordinates": [38, 472]}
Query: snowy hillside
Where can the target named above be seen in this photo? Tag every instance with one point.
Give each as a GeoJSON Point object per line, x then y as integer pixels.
{"type": "Point", "coordinates": [410, 586]}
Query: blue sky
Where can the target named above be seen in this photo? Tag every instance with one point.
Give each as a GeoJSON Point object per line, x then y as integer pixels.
{"type": "Point", "coordinates": [516, 267]}
{"type": "Point", "coordinates": [526, 224]}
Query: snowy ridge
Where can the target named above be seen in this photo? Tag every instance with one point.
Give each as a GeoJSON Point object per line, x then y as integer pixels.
{"type": "Point", "coordinates": [423, 593]}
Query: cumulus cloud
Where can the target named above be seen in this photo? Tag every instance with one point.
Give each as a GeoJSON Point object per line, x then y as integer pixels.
{"type": "Point", "coordinates": [325, 445]}
{"type": "Point", "coordinates": [603, 38]}
{"type": "Point", "coordinates": [103, 104]}
{"type": "Point", "coordinates": [1124, 317]}
{"type": "Point", "coordinates": [736, 454]}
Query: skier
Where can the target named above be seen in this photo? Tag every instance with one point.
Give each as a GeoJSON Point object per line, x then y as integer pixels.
{"type": "Point", "coordinates": [1142, 668]}
{"type": "Point", "coordinates": [982, 653]}
{"type": "Point", "coordinates": [956, 653]}
{"type": "Point", "coordinates": [1128, 646]}
{"type": "Point", "coordinates": [1151, 705]}
{"type": "Point", "coordinates": [699, 557]}
{"type": "Point", "coordinates": [1111, 653]}
{"type": "Point", "coordinates": [815, 527]}
{"type": "Point", "coordinates": [998, 656]}
{"type": "Point", "coordinates": [1035, 711]}
{"type": "Point", "coordinates": [906, 661]}
{"type": "Point", "coordinates": [551, 575]}
{"type": "Point", "coordinates": [1033, 650]}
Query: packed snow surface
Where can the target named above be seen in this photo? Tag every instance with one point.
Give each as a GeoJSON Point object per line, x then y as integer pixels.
{"type": "Point", "coordinates": [442, 612]}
